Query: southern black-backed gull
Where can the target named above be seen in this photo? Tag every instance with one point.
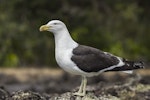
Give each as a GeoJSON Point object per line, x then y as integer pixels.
{"type": "Point", "coordinates": [84, 60]}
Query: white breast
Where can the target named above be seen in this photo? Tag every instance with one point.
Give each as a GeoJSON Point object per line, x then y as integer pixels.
{"type": "Point", "coordinates": [64, 61]}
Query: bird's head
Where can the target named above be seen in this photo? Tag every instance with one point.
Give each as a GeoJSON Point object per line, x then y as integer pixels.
{"type": "Point", "coordinates": [53, 26]}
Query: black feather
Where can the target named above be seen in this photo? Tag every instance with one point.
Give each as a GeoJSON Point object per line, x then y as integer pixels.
{"type": "Point", "coordinates": [129, 65]}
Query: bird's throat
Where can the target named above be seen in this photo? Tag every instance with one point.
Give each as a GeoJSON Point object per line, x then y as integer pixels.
{"type": "Point", "coordinates": [63, 40]}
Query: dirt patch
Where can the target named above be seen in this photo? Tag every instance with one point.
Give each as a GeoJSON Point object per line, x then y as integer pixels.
{"type": "Point", "coordinates": [53, 84]}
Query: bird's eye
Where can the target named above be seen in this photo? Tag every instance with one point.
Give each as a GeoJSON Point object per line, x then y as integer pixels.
{"type": "Point", "coordinates": [55, 23]}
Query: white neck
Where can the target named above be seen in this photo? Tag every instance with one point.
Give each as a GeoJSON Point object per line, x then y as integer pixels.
{"type": "Point", "coordinates": [63, 40]}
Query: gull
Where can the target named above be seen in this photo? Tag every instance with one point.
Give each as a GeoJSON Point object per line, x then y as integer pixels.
{"type": "Point", "coordinates": [84, 60]}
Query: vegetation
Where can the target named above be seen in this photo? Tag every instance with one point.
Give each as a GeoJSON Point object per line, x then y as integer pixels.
{"type": "Point", "coordinates": [121, 27]}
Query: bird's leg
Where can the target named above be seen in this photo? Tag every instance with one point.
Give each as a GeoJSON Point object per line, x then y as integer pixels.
{"type": "Point", "coordinates": [82, 89]}
{"type": "Point", "coordinates": [84, 85]}
{"type": "Point", "coordinates": [81, 86]}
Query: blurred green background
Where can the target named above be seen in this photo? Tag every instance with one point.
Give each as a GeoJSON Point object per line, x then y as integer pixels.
{"type": "Point", "coordinates": [121, 27]}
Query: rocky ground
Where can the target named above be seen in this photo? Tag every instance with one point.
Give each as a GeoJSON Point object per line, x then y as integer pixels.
{"type": "Point", "coordinates": [53, 84]}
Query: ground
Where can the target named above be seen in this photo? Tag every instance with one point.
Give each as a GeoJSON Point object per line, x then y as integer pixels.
{"type": "Point", "coordinates": [55, 84]}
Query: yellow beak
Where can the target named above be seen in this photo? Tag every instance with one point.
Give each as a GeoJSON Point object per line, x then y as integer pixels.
{"type": "Point", "coordinates": [44, 28]}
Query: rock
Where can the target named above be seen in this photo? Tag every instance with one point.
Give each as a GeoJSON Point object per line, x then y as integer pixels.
{"type": "Point", "coordinates": [28, 95]}
{"type": "Point", "coordinates": [4, 95]}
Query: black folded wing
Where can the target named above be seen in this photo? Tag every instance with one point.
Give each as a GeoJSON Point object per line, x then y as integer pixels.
{"type": "Point", "coordinates": [91, 59]}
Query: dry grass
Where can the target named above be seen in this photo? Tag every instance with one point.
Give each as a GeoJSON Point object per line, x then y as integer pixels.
{"type": "Point", "coordinates": [24, 74]}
